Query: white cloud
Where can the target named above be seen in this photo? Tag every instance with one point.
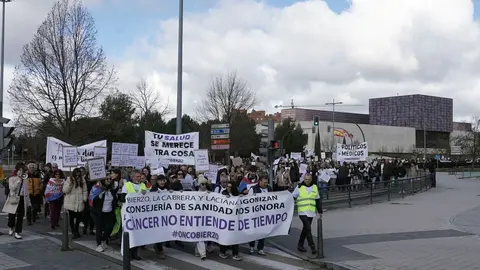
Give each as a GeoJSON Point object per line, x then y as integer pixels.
{"type": "Point", "coordinates": [308, 53]}
{"type": "Point", "coordinates": [303, 51]}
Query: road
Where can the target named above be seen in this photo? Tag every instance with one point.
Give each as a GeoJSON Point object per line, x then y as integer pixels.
{"type": "Point", "coordinates": [434, 230]}
{"type": "Point", "coordinates": [176, 258]}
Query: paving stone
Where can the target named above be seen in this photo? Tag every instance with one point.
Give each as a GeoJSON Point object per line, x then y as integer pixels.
{"type": "Point", "coordinates": [43, 254]}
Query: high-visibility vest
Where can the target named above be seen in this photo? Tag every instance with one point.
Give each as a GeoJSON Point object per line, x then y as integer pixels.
{"type": "Point", "coordinates": [131, 189]}
{"type": "Point", "coordinates": [307, 202]}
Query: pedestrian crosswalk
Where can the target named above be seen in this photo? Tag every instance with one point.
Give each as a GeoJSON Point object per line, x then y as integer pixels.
{"type": "Point", "coordinates": [184, 258]}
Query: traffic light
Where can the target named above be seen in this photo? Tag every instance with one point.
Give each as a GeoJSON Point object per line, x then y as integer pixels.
{"type": "Point", "coordinates": [316, 121]}
{"type": "Point", "coordinates": [274, 145]}
{"type": "Point", "coordinates": [7, 140]}
{"type": "Point", "coordinates": [268, 135]}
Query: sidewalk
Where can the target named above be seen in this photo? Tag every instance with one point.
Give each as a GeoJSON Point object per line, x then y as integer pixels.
{"type": "Point", "coordinates": [436, 229]}
{"type": "Point", "coordinates": [38, 252]}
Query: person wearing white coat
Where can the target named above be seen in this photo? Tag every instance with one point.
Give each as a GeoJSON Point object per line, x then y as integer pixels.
{"type": "Point", "coordinates": [76, 192]}
{"type": "Point", "coordinates": [17, 202]}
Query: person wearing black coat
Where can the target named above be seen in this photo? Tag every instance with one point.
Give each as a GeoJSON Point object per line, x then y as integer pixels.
{"type": "Point", "coordinates": [102, 203]}
{"type": "Point", "coordinates": [231, 190]}
{"type": "Point", "coordinates": [261, 187]}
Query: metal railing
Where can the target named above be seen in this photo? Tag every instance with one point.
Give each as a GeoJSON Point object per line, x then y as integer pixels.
{"type": "Point", "coordinates": [368, 193]}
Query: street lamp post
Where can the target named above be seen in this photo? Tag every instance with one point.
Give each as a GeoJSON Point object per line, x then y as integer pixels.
{"type": "Point", "coordinates": [333, 103]}
{"type": "Point", "coordinates": [179, 67]}
{"type": "Point", "coordinates": [2, 69]}
{"type": "Point", "coordinates": [283, 140]}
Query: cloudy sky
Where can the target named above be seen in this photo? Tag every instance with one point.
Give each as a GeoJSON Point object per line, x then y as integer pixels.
{"type": "Point", "coordinates": [309, 51]}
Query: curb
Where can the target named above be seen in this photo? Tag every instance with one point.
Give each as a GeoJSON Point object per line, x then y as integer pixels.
{"type": "Point", "coordinates": [74, 246]}
{"type": "Point", "coordinates": [320, 262]}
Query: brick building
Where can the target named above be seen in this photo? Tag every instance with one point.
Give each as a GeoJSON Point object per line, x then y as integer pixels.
{"type": "Point", "coordinates": [260, 116]}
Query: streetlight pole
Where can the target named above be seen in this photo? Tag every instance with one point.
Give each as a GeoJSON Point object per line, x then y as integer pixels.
{"type": "Point", "coordinates": [333, 103]}
{"type": "Point", "coordinates": [2, 70]}
{"type": "Point", "coordinates": [179, 66]}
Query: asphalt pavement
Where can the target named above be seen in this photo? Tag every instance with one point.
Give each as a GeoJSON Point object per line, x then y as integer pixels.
{"type": "Point", "coordinates": [434, 230]}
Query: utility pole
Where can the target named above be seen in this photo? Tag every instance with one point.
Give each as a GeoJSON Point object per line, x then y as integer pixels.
{"type": "Point", "coordinates": [424, 142]}
{"type": "Point", "coordinates": [180, 67]}
{"type": "Point", "coordinates": [333, 103]}
{"type": "Point", "coordinates": [2, 70]}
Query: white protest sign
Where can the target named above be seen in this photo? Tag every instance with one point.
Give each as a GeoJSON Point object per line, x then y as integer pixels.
{"type": "Point", "coordinates": [127, 149]}
{"type": "Point", "coordinates": [96, 168]}
{"type": "Point", "coordinates": [158, 171]}
{"type": "Point", "coordinates": [201, 160]}
{"type": "Point", "coordinates": [87, 151]}
{"type": "Point", "coordinates": [199, 216]}
{"type": "Point", "coordinates": [296, 155]}
{"type": "Point", "coordinates": [177, 149]}
{"type": "Point", "coordinates": [352, 153]}
{"type": "Point", "coordinates": [100, 151]}
{"type": "Point", "coordinates": [55, 151]}
{"type": "Point", "coordinates": [126, 155]}
{"type": "Point", "coordinates": [69, 156]}
{"type": "Point", "coordinates": [211, 174]}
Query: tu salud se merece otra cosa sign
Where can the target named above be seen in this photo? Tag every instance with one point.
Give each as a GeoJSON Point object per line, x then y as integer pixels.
{"type": "Point", "coordinates": [177, 149]}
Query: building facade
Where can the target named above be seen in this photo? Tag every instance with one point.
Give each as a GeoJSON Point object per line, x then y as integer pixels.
{"type": "Point", "coordinates": [260, 116]}
{"type": "Point", "coordinates": [411, 123]}
{"type": "Point", "coordinates": [307, 115]}
{"type": "Point", "coordinates": [417, 111]}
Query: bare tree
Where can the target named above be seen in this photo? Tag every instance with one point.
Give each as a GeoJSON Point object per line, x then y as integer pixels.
{"type": "Point", "coordinates": [62, 70]}
{"type": "Point", "coordinates": [226, 95]}
{"type": "Point", "coordinates": [398, 150]}
{"type": "Point", "coordinates": [147, 100]}
{"type": "Point", "coordinates": [328, 144]}
{"type": "Point", "coordinates": [382, 151]}
{"type": "Point", "coordinates": [469, 141]}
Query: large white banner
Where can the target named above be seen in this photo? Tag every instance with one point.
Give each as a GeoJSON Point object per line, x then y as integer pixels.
{"type": "Point", "coordinates": [352, 153]}
{"type": "Point", "coordinates": [55, 151]}
{"type": "Point", "coordinates": [177, 149]}
{"type": "Point", "coordinates": [200, 216]}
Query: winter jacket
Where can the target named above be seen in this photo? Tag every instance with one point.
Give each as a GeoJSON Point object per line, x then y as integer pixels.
{"type": "Point", "coordinates": [35, 186]}
{"type": "Point", "coordinates": [75, 197]}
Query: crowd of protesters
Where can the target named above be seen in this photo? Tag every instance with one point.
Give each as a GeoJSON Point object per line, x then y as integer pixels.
{"type": "Point", "coordinates": [96, 204]}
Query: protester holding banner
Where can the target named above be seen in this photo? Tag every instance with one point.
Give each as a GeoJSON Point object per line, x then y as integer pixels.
{"type": "Point", "coordinates": [175, 183]}
{"type": "Point", "coordinates": [159, 186]}
{"type": "Point", "coordinates": [223, 184]}
{"type": "Point", "coordinates": [308, 204]}
{"type": "Point", "coordinates": [75, 190]}
{"type": "Point", "coordinates": [231, 190]}
{"type": "Point", "coordinates": [261, 187]}
{"type": "Point", "coordinates": [134, 186]}
{"type": "Point", "coordinates": [54, 196]}
{"type": "Point", "coordinates": [102, 201]}
{"type": "Point", "coordinates": [201, 248]}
